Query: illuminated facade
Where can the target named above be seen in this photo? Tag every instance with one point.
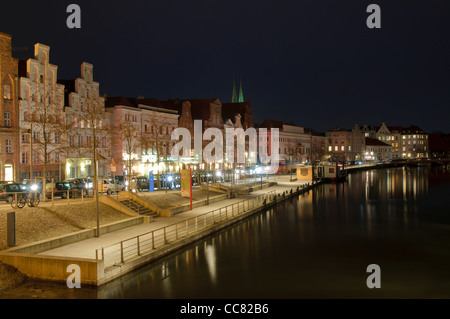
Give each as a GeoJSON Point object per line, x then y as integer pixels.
{"type": "Point", "coordinates": [295, 145]}
{"type": "Point", "coordinates": [41, 115]}
{"type": "Point", "coordinates": [346, 145]}
{"type": "Point", "coordinates": [377, 151]}
{"type": "Point", "coordinates": [88, 126]}
{"type": "Point", "coordinates": [141, 137]}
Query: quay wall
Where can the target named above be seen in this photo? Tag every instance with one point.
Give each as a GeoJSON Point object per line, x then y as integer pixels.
{"type": "Point", "coordinates": [93, 271]}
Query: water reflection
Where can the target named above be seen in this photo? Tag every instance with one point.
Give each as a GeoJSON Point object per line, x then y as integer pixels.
{"type": "Point", "coordinates": [319, 245]}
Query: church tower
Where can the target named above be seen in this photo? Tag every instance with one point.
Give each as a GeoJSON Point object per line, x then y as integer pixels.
{"type": "Point", "coordinates": [234, 97]}
{"type": "Point", "coordinates": [241, 93]}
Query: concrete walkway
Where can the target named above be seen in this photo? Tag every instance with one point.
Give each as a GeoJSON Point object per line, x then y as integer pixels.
{"type": "Point", "coordinates": [86, 248]}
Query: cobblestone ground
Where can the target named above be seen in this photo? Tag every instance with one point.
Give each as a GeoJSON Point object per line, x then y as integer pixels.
{"type": "Point", "coordinates": [173, 199]}
{"type": "Point", "coordinates": [34, 224]}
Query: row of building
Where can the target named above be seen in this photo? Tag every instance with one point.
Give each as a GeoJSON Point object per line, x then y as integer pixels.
{"type": "Point", "coordinates": [52, 127]}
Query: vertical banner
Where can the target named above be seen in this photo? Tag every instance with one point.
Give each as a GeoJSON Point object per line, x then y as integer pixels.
{"type": "Point", "coordinates": [150, 182]}
{"type": "Point", "coordinates": [185, 189]}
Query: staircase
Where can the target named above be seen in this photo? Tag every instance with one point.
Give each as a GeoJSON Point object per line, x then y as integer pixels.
{"type": "Point", "coordinates": [138, 208]}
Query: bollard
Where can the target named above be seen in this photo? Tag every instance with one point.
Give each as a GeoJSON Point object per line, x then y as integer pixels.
{"type": "Point", "coordinates": [11, 228]}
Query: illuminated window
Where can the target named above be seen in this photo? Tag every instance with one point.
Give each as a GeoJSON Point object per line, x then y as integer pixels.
{"type": "Point", "coordinates": [7, 92]}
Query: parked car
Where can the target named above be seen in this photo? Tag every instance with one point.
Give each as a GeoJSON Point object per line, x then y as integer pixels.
{"type": "Point", "coordinates": [60, 190]}
{"type": "Point", "coordinates": [109, 186]}
{"type": "Point", "coordinates": [81, 182]}
{"type": "Point", "coordinates": [120, 179]}
{"type": "Point", "coordinates": [7, 191]}
{"type": "Point", "coordinates": [6, 182]}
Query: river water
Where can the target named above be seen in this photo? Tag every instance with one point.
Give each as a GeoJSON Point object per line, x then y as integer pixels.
{"type": "Point", "coordinates": [315, 246]}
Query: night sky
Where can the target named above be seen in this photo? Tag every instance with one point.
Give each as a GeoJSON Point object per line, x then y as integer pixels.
{"type": "Point", "coordinates": [314, 63]}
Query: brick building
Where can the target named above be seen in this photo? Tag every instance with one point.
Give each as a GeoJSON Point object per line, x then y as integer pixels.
{"type": "Point", "coordinates": [9, 120]}
{"type": "Point", "coordinates": [346, 145]}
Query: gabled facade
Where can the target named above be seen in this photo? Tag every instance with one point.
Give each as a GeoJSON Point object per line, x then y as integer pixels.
{"type": "Point", "coordinates": [89, 130]}
{"type": "Point", "coordinates": [41, 112]}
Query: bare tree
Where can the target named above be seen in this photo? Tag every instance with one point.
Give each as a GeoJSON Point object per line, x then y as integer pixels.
{"type": "Point", "coordinates": [155, 139]}
{"type": "Point", "coordinates": [131, 140]}
{"type": "Point", "coordinates": [47, 125]}
{"type": "Point", "coordinates": [93, 124]}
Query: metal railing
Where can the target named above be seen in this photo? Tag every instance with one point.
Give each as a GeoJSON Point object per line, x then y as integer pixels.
{"type": "Point", "coordinates": [120, 252]}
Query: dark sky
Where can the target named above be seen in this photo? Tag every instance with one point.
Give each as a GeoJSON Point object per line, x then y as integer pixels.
{"type": "Point", "coordinates": [313, 62]}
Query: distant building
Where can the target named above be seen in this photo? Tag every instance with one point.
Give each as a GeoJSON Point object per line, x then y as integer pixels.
{"type": "Point", "coordinates": [414, 142]}
{"type": "Point", "coordinates": [377, 150]}
{"type": "Point", "coordinates": [406, 142]}
{"type": "Point", "coordinates": [369, 130]}
{"type": "Point", "coordinates": [141, 139]}
{"type": "Point", "coordinates": [295, 145]}
{"type": "Point", "coordinates": [244, 109]}
{"type": "Point", "coordinates": [346, 145]}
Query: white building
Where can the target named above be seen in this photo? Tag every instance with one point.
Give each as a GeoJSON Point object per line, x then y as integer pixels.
{"type": "Point", "coordinates": [377, 151]}
{"type": "Point", "coordinates": [89, 126]}
{"type": "Point", "coordinates": [141, 139]}
{"type": "Point", "coordinates": [41, 103]}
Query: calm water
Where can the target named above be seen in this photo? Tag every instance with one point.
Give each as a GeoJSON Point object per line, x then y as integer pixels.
{"type": "Point", "coordinates": [315, 246]}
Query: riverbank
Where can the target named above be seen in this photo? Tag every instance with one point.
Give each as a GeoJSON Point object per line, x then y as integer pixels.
{"type": "Point", "coordinates": [86, 250]}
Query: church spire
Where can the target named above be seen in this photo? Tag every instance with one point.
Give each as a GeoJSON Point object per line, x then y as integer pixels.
{"type": "Point", "coordinates": [241, 93]}
{"type": "Point", "coordinates": [234, 97]}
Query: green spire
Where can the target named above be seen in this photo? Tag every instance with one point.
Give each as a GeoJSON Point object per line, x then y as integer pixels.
{"type": "Point", "coordinates": [234, 97]}
{"type": "Point", "coordinates": [241, 93]}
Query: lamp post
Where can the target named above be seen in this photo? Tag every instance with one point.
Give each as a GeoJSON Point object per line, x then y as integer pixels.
{"type": "Point", "coordinates": [207, 185]}
{"type": "Point", "coordinates": [96, 188]}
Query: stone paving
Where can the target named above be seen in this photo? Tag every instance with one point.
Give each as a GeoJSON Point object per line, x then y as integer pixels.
{"type": "Point", "coordinates": [87, 248]}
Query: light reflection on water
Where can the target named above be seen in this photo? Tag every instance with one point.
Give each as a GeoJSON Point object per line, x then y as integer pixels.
{"type": "Point", "coordinates": [319, 245]}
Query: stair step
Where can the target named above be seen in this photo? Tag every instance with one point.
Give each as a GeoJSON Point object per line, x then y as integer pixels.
{"type": "Point", "coordinates": [138, 208]}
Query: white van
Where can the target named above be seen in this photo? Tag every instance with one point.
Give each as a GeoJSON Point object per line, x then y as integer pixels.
{"type": "Point", "coordinates": [109, 186]}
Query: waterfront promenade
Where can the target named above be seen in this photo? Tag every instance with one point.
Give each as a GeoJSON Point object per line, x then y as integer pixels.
{"type": "Point", "coordinates": [136, 242]}
{"type": "Point", "coordinates": [87, 248]}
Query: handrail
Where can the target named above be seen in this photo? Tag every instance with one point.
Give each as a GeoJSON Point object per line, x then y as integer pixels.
{"type": "Point", "coordinates": [159, 237]}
